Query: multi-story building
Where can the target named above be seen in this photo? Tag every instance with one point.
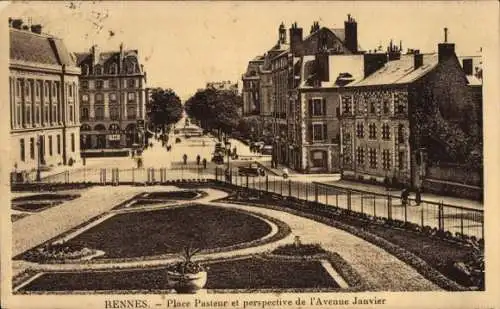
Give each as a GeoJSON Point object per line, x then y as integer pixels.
{"type": "Point", "coordinates": [407, 114]}
{"type": "Point", "coordinates": [44, 100]}
{"type": "Point", "coordinates": [224, 85]}
{"type": "Point", "coordinates": [251, 87]}
{"type": "Point", "coordinates": [113, 99]}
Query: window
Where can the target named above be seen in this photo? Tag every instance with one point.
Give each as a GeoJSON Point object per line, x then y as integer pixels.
{"type": "Point", "coordinates": [37, 114]}
{"type": "Point", "coordinates": [18, 88]}
{"type": "Point", "coordinates": [46, 114]}
{"type": "Point", "coordinates": [360, 156]}
{"type": "Point", "coordinates": [70, 91]}
{"type": "Point", "coordinates": [58, 144]}
{"type": "Point", "coordinates": [337, 112]}
{"type": "Point", "coordinates": [318, 158]}
{"type": "Point", "coordinates": [72, 142]}
{"type": "Point", "coordinates": [99, 84]}
{"type": "Point", "coordinates": [98, 70]}
{"type": "Point", "coordinates": [112, 68]}
{"type": "Point", "coordinates": [85, 69]}
{"type": "Point", "coordinates": [131, 83]}
{"type": "Point", "coordinates": [112, 96]}
{"type": "Point", "coordinates": [46, 89]}
{"type": "Point", "coordinates": [18, 114]}
{"type": "Point", "coordinates": [319, 132]}
{"type": "Point", "coordinates": [386, 132]}
{"type": "Point", "coordinates": [54, 89]}
{"type": "Point", "coordinates": [32, 148]}
{"type": "Point", "coordinates": [71, 116]}
{"type": "Point", "coordinates": [113, 113]}
{"type": "Point", "coordinates": [99, 113]}
{"type": "Point", "coordinates": [84, 84]}
{"type": "Point", "coordinates": [401, 134]}
{"type": "Point", "coordinates": [372, 107]}
{"type": "Point", "coordinates": [347, 107]}
{"type": "Point", "coordinates": [131, 68]}
{"type": "Point", "coordinates": [112, 83]}
{"type": "Point", "coordinates": [85, 97]}
{"type": "Point", "coordinates": [317, 107]}
{"type": "Point", "coordinates": [50, 145]}
{"type": "Point", "coordinates": [131, 112]}
{"type": "Point", "coordinates": [373, 158]}
{"type": "Point", "coordinates": [85, 114]}
{"type": "Point", "coordinates": [372, 131]}
{"type": "Point", "coordinates": [131, 96]}
{"type": "Point", "coordinates": [386, 106]}
{"type": "Point", "coordinates": [28, 115]}
{"type": "Point", "coordinates": [37, 89]}
{"type": "Point", "coordinates": [27, 89]}
{"type": "Point", "coordinates": [386, 159]}
{"type": "Point", "coordinates": [54, 113]}
{"type": "Point", "coordinates": [98, 97]}
{"type": "Point", "coordinates": [21, 148]}
{"type": "Point", "coordinates": [360, 132]}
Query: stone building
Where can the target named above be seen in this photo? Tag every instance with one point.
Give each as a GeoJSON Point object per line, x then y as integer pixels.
{"type": "Point", "coordinates": [44, 99]}
{"type": "Point", "coordinates": [407, 115]}
{"type": "Point", "coordinates": [251, 87]}
{"type": "Point", "coordinates": [113, 99]}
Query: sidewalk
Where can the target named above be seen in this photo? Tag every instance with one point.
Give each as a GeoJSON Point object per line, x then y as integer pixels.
{"type": "Point", "coordinates": [455, 201]}
{"type": "Point", "coordinates": [266, 164]}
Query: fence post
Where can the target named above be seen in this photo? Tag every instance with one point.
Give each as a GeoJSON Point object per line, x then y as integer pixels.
{"type": "Point", "coordinates": [247, 181]}
{"type": "Point", "coordinates": [406, 209]}
{"type": "Point", "coordinates": [326, 196]}
{"type": "Point", "coordinates": [281, 187]}
{"type": "Point", "coordinates": [133, 175]}
{"type": "Point", "coordinates": [389, 207]}
{"type": "Point", "coordinates": [289, 187]}
{"type": "Point", "coordinates": [461, 224]}
{"type": "Point", "coordinates": [422, 216]}
{"type": "Point", "coordinates": [349, 200]}
{"type": "Point", "coordinates": [307, 191]}
{"type": "Point", "coordinates": [316, 193]}
{"type": "Point", "coordinates": [374, 206]}
{"type": "Point", "coordinates": [267, 183]}
{"type": "Point", "coordinates": [337, 199]}
{"type": "Point", "coordinates": [440, 217]}
{"type": "Point", "coordinates": [84, 175]}
{"type": "Point", "coordinates": [117, 175]}
{"type": "Point", "coordinates": [362, 203]}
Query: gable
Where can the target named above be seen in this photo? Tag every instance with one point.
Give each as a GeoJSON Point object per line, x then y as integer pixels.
{"type": "Point", "coordinates": [334, 44]}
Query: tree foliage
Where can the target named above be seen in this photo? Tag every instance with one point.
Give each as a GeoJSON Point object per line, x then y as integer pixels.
{"type": "Point", "coordinates": [165, 107]}
{"type": "Point", "coordinates": [215, 109]}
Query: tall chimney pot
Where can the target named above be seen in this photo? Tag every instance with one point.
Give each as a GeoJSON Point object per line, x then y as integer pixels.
{"type": "Point", "coordinates": [446, 35]}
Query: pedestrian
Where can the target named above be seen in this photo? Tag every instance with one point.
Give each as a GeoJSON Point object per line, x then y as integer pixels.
{"type": "Point", "coordinates": [418, 197]}
{"type": "Point", "coordinates": [139, 163]}
{"type": "Point", "coordinates": [404, 196]}
{"type": "Point", "coordinates": [204, 163]}
{"type": "Point", "coordinates": [185, 158]}
{"type": "Point", "coordinates": [198, 160]}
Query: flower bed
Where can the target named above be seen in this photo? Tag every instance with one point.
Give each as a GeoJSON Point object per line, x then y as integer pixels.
{"type": "Point", "coordinates": [299, 250]}
{"type": "Point", "coordinates": [59, 253]}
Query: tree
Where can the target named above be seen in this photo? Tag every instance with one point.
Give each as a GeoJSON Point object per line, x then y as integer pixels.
{"type": "Point", "coordinates": [215, 109]}
{"type": "Point", "coordinates": [165, 107]}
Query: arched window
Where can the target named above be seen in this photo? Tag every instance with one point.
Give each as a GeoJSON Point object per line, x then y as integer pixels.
{"type": "Point", "coordinates": [98, 70]}
{"type": "Point", "coordinates": [85, 127]}
{"type": "Point", "coordinates": [85, 114]}
{"type": "Point", "coordinates": [99, 113]}
{"type": "Point", "coordinates": [112, 69]}
{"type": "Point", "coordinates": [100, 127]}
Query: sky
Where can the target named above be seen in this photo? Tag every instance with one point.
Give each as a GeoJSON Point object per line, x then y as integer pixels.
{"type": "Point", "coordinates": [183, 45]}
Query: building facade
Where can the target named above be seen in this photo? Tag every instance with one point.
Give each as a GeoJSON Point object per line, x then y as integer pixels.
{"type": "Point", "coordinates": [405, 117]}
{"type": "Point", "coordinates": [113, 99]}
{"type": "Point", "coordinates": [44, 99]}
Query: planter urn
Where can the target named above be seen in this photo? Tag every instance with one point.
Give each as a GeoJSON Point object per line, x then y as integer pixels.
{"type": "Point", "coordinates": [187, 283]}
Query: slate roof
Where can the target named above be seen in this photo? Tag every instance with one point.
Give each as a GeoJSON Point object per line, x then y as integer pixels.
{"type": "Point", "coordinates": [477, 65]}
{"type": "Point", "coordinates": [399, 71]}
{"type": "Point", "coordinates": [104, 57]}
{"type": "Point", "coordinates": [38, 48]}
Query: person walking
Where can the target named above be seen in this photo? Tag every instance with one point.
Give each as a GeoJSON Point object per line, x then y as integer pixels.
{"type": "Point", "coordinates": [185, 158]}
{"type": "Point", "coordinates": [198, 160]}
{"type": "Point", "coordinates": [404, 196]}
{"type": "Point", "coordinates": [204, 163]}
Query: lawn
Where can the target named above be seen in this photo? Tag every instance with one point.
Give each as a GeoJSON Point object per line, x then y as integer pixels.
{"type": "Point", "coordinates": [173, 195]}
{"type": "Point", "coordinates": [249, 273]}
{"type": "Point", "coordinates": [39, 202]}
{"type": "Point", "coordinates": [169, 230]}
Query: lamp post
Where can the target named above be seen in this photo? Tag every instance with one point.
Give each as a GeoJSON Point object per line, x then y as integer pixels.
{"type": "Point", "coordinates": [228, 151]}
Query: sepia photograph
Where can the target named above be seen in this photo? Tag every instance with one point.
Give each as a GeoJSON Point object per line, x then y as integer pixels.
{"type": "Point", "coordinates": [255, 155]}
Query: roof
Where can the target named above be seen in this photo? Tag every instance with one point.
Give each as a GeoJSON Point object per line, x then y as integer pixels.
{"type": "Point", "coordinates": [104, 56]}
{"type": "Point", "coordinates": [399, 71]}
{"type": "Point", "coordinates": [477, 69]}
{"type": "Point", "coordinates": [38, 48]}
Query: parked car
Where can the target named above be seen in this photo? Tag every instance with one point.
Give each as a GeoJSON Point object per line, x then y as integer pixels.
{"type": "Point", "coordinates": [253, 170]}
{"type": "Point", "coordinates": [267, 150]}
{"type": "Point", "coordinates": [218, 158]}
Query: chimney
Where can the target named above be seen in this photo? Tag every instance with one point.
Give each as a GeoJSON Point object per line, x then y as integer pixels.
{"type": "Point", "coordinates": [36, 29]}
{"type": "Point", "coordinates": [418, 59]}
{"type": "Point", "coordinates": [296, 44]}
{"type": "Point", "coordinates": [322, 66]}
{"type": "Point", "coordinates": [351, 34]}
{"type": "Point", "coordinates": [373, 62]}
{"type": "Point", "coordinates": [467, 66]}
{"type": "Point", "coordinates": [282, 34]}
{"type": "Point", "coordinates": [445, 50]}
{"type": "Point", "coordinates": [17, 23]}
{"type": "Point", "coordinates": [393, 52]}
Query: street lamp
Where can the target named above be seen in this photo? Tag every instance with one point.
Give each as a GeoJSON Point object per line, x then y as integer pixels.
{"type": "Point", "coordinates": [228, 151]}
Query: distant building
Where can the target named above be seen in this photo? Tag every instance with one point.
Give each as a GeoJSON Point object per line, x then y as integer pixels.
{"type": "Point", "coordinates": [44, 100]}
{"type": "Point", "coordinates": [113, 98]}
{"type": "Point", "coordinates": [223, 86]}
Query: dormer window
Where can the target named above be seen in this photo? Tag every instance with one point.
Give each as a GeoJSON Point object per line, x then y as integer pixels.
{"type": "Point", "coordinates": [112, 68]}
{"type": "Point", "coordinates": [98, 70]}
{"type": "Point", "coordinates": [85, 69]}
{"type": "Point", "coordinates": [130, 68]}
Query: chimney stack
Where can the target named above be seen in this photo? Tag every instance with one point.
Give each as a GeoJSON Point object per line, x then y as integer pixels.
{"type": "Point", "coordinates": [351, 34]}
{"type": "Point", "coordinates": [296, 43]}
{"type": "Point", "coordinates": [467, 66]}
{"type": "Point", "coordinates": [418, 59]}
{"type": "Point", "coordinates": [282, 34]}
{"type": "Point", "coordinates": [36, 29]}
{"type": "Point", "coordinates": [445, 50]}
